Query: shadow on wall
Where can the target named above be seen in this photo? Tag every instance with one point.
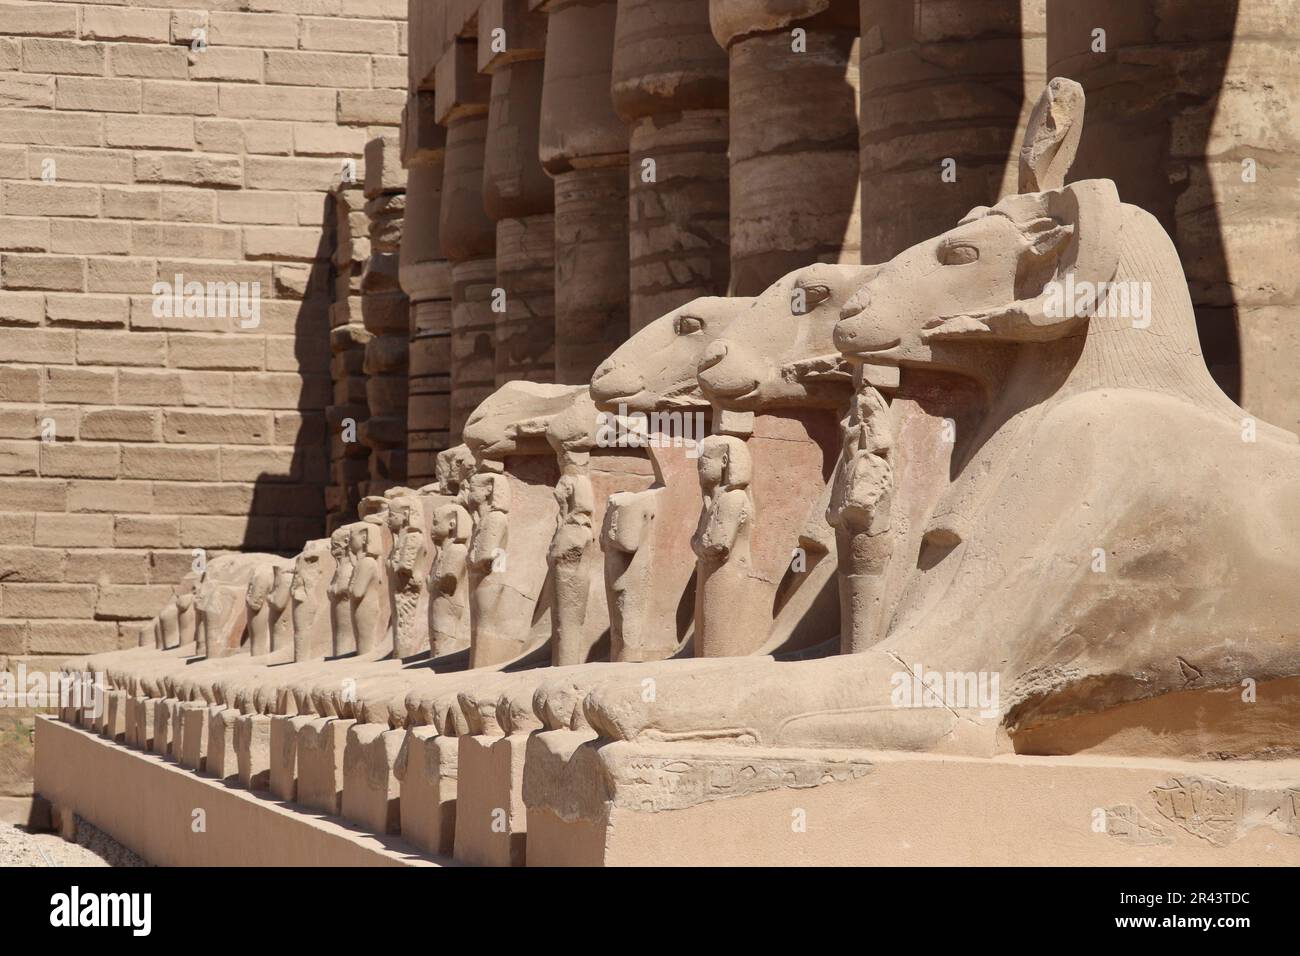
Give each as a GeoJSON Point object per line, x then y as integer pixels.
{"type": "Point", "coordinates": [1152, 95]}
{"type": "Point", "coordinates": [288, 503]}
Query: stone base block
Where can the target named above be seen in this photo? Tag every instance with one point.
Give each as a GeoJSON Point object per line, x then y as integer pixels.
{"type": "Point", "coordinates": [113, 724]}
{"type": "Point", "coordinates": [321, 742]}
{"type": "Point", "coordinates": [148, 805]}
{"type": "Point", "coordinates": [163, 711]}
{"type": "Point", "coordinates": [193, 744]}
{"type": "Point", "coordinates": [491, 822]}
{"type": "Point", "coordinates": [220, 760]}
{"type": "Point", "coordinates": [284, 755]}
{"type": "Point", "coordinates": [428, 789]}
{"type": "Point", "coordinates": [370, 789]}
{"type": "Point", "coordinates": [253, 751]}
{"type": "Point", "coordinates": [716, 805]}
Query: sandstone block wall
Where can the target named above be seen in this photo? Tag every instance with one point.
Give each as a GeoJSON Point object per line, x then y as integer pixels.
{"type": "Point", "coordinates": [138, 142]}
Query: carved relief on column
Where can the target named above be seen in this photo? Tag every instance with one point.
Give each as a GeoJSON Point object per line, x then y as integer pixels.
{"type": "Point", "coordinates": [670, 85]}
{"type": "Point", "coordinates": [313, 569]}
{"type": "Point", "coordinates": [517, 193]}
{"type": "Point", "coordinates": [584, 147]}
{"type": "Point", "coordinates": [793, 81]}
{"type": "Point", "coordinates": [426, 278]}
{"type": "Point", "coordinates": [467, 235]}
{"type": "Point", "coordinates": [349, 456]}
{"type": "Point", "coordinates": [946, 93]}
{"type": "Point", "coordinates": [385, 312]}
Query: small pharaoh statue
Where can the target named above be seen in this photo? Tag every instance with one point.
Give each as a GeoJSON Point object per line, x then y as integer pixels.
{"type": "Point", "coordinates": [570, 558]}
{"type": "Point", "coordinates": [279, 600]}
{"type": "Point", "coordinates": [721, 543]}
{"type": "Point", "coordinates": [489, 501]}
{"type": "Point", "coordinates": [859, 511]}
{"type": "Point", "coordinates": [364, 592]}
{"type": "Point", "coordinates": [340, 593]}
{"type": "Point", "coordinates": [258, 591]}
{"type": "Point", "coordinates": [448, 586]}
{"type": "Point", "coordinates": [405, 578]}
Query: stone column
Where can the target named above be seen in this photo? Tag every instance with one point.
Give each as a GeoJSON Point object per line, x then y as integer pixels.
{"type": "Point", "coordinates": [670, 85]}
{"type": "Point", "coordinates": [793, 69]}
{"type": "Point", "coordinates": [426, 278]}
{"type": "Point", "coordinates": [349, 457]}
{"type": "Point", "coordinates": [584, 147]}
{"type": "Point", "coordinates": [385, 311]}
{"type": "Point", "coordinates": [467, 235]}
{"type": "Point", "coordinates": [942, 82]}
{"type": "Point", "coordinates": [517, 193]}
{"type": "Point", "coordinates": [1192, 113]}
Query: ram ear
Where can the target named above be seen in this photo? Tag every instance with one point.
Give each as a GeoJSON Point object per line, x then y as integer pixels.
{"type": "Point", "coordinates": [1092, 208]}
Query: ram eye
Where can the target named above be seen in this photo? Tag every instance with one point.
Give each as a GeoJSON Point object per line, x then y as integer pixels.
{"type": "Point", "coordinates": [958, 254]}
{"type": "Point", "coordinates": [687, 324]}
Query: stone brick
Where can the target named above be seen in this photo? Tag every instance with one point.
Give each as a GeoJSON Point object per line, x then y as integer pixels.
{"type": "Point", "coordinates": [146, 531]}
{"type": "Point", "coordinates": [132, 202]}
{"type": "Point", "coordinates": [20, 91]}
{"type": "Point", "coordinates": [195, 241]}
{"type": "Point", "coordinates": [217, 427]}
{"type": "Point", "coordinates": [262, 207]}
{"type": "Point", "coordinates": [50, 199]}
{"type": "Point", "coordinates": [185, 22]}
{"type": "Point", "coordinates": [252, 29]}
{"type": "Point", "coordinates": [11, 53]}
{"type": "Point", "coordinates": [42, 272]}
{"type": "Point", "coordinates": [90, 238]}
{"type": "Point", "coordinates": [233, 351]}
{"type": "Point", "coordinates": [73, 531]}
{"type": "Point", "coordinates": [18, 234]}
{"type": "Point", "coordinates": [388, 72]}
{"type": "Point", "coordinates": [18, 384]}
{"type": "Point", "coordinates": [299, 68]}
{"type": "Point", "coordinates": [27, 565]}
{"type": "Point", "coordinates": [51, 129]}
{"type": "Point", "coordinates": [14, 636]}
{"type": "Point", "coordinates": [168, 567]}
{"type": "Point", "coordinates": [81, 165]}
{"type": "Point", "coordinates": [38, 19]}
{"type": "Point", "coordinates": [148, 62]}
{"type": "Point", "coordinates": [21, 308]}
{"type": "Point", "coordinates": [13, 162]}
{"type": "Point", "coordinates": [261, 464]}
{"type": "Point", "coordinates": [194, 498]}
{"type": "Point", "coordinates": [122, 424]}
{"type": "Point", "coordinates": [189, 99]}
{"type": "Point", "coordinates": [40, 346]}
{"type": "Point", "coordinates": [190, 169]}
{"type": "Point", "coordinates": [109, 23]}
{"type": "Point", "coordinates": [86, 310]}
{"type": "Point", "coordinates": [326, 139]}
{"type": "Point", "coordinates": [17, 528]}
{"type": "Point", "coordinates": [351, 35]}
{"type": "Point", "coordinates": [63, 57]}
{"type": "Point", "coordinates": [121, 348]}
{"type": "Point", "coordinates": [78, 460]}
{"type": "Point", "coordinates": [171, 462]}
{"type": "Point", "coordinates": [231, 63]}
{"type": "Point", "coordinates": [241, 101]}
{"type": "Point", "coordinates": [189, 205]}
{"type": "Point", "coordinates": [292, 174]}
{"type": "Point", "coordinates": [284, 242]}
{"type": "Point", "coordinates": [131, 601]}
{"type": "Point", "coordinates": [149, 132]}
{"type": "Point", "coordinates": [85, 386]}
{"type": "Point", "coordinates": [72, 636]}
{"type": "Point", "coordinates": [377, 107]}
{"type": "Point", "coordinates": [281, 390]}
{"type": "Point", "coordinates": [103, 566]}
{"type": "Point", "coordinates": [49, 600]}
{"type": "Point", "coordinates": [98, 94]}
{"type": "Point", "coordinates": [19, 458]}
{"type": "Point", "coordinates": [209, 531]}
{"type": "Point", "coordinates": [120, 274]}
{"type": "Point", "coordinates": [110, 497]}
{"type": "Point", "coordinates": [153, 387]}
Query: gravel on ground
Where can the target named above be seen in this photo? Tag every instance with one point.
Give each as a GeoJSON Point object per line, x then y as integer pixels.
{"type": "Point", "coordinates": [22, 847]}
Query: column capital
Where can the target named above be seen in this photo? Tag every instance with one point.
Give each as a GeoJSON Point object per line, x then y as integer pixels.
{"type": "Point", "coordinates": [732, 19]}
{"type": "Point", "coordinates": [459, 88]}
{"type": "Point", "coordinates": [508, 31]}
